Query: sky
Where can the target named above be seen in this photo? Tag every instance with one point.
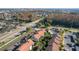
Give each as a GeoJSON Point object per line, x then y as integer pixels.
{"type": "Point", "coordinates": [39, 3]}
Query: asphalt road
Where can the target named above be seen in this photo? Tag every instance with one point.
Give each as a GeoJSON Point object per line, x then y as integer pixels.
{"type": "Point", "coordinates": [70, 29]}
{"type": "Point", "coordinates": [17, 30]}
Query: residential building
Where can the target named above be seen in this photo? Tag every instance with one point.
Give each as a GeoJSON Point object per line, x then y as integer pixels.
{"type": "Point", "coordinates": [26, 46]}
{"type": "Point", "coordinates": [69, 42]}
{"type": "Point", "coordinates": [38, 35]}
{"type": "Point", "coordinates": [54, 43]}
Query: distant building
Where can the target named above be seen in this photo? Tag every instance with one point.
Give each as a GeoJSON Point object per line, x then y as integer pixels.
{"type": "Point", "coordinates": [54, 31]}
{"type": "Point", "coordinates": [1, 15]}
{"type": "Point", "coordinates": [7, 16]}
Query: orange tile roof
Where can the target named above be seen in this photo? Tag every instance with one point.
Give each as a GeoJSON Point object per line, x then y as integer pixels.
{"type": "Point", "coordinates": [57, 40]}
{"type": "Point", "coordinates": [55, 47]}
{"type": "Point", "coordinates": [26, 46]}
{"type": "Point", "coordinates": [39, 34]}
{"type": "Point", "coordinates": [54, 44]}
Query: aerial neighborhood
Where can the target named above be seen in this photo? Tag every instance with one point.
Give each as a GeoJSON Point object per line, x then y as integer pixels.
{"type": "Point", "coordinates": [39, 29]}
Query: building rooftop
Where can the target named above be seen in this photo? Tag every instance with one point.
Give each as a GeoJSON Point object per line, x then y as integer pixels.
{"type": "Point", "coordinates": [54, 43]}
{"type": "Point", "coordinates": [39, 34]}
{"type": "Point", "coordinates": [26, 46]}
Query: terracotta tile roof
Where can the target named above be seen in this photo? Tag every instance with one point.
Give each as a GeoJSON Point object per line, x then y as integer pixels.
{"type": "Point", "coordinates": [55, 47]}
{"type": "Point", "coordinates": [57, 40]}
{"type": "Point", "coordinates": [26, 46]}
{"type": "Point", "coordinates": [39, 34]}
{"type": "Point", "coordinates": [54, 44]}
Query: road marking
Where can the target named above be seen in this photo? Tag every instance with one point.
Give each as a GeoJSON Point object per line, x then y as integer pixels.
{"type": "Point", "coordinates": [8, 42]}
